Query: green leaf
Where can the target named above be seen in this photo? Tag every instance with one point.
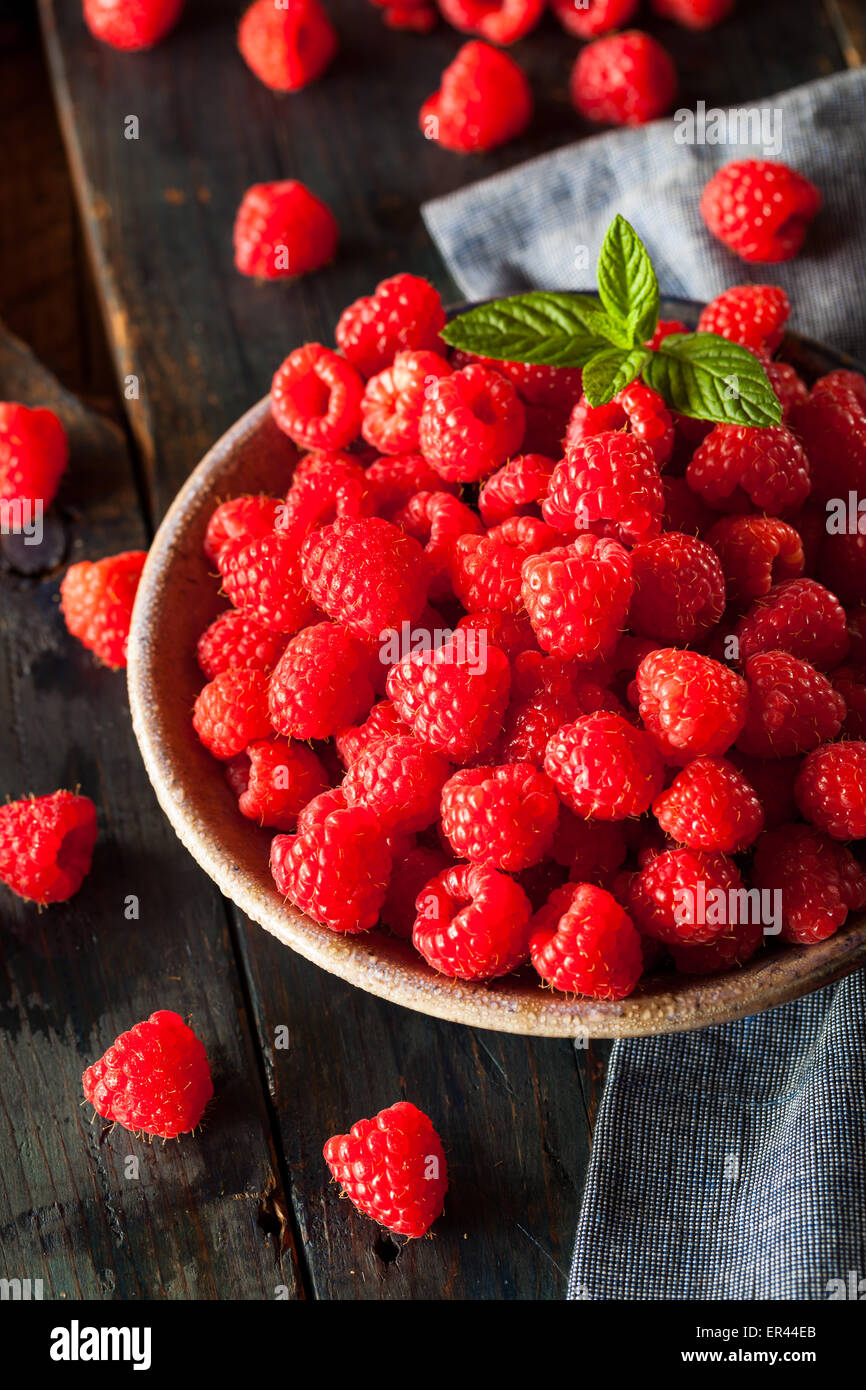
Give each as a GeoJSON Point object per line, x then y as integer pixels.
{"type": "Point", "coordinates": [610, 372]}
{"type": "Point", "coordinates": [538, 327]}
{"type": "Point", "coordinates": [627, 282]}
{"type": "Point", "coordinates": [709, 378]}
{"type": "Point", "coordinates": [599, 321]}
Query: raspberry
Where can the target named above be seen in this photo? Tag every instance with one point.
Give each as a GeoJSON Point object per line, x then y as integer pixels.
{"type": "Point", "coordinates": [401, 780]}
{"type": "Point", "coordinates": [484, 100]}
{"type": "Point", "coordinates": [403, 312]}
{"type": "Point", "coordinates": [604, 767]}
{"type": "Point", "coordinates": [237, 641]}
{"type": "Point", "coordinates": [840, 383]}
{"type": "Point", "coordinates": [626, 79]}
{"type": "Point", "coordinates": [738, 945]}
{"type": "Point", "coordinates": [790, 388]}
{"type": "Point", "coordinates": [759, 209]}
{"type": "Point", "coordinates": [383, 721]}
{"type": "Point", "coordinates": [392, 1168]}
{"type": "Point", "coordinates": [737, 468]}
{"type": "Point", "coordinates": [452, 702]}
{"type": "Point", "coordinates": [546, 693]}
{"type": "Point", "coordinates": [232, 711]}
{"type": "Point", "coordinates": [280, 778]}
{"type": "Point", "coordinates": [97, 599]}
{"type": "Point", "coordinates": [607, 478]}
{"type": "Point", "coordinates": [503, 817]}
{"type": "Point", "coordinates": [438, 520]}
{"type": "Point", "coordinates": [798, 616]}
{"type": "Point", "coordinates": [283, 230]}
{"type": "Point", "coordinates": [410, 874]}
{"type": "Point", "coordinates": [153, 1079]}
{"type": "Point", "coordinates": [588, 19]}
{"type": "Point", "coordinates": [325, 486]}
{"type": "Point", "coordinates": [131, 24]}
{"type": "Point", "coordinates": [471, 423]}
{"type": "Point", "coordinates": [693, 706]}
{"type": "Point", "coordinates": [710, 805]}
{"type": "Point", "coordinates": [818, 881]}
{"type": "Point", "coordinates": [473, 923]}
{"type": "Point", "coordinates": [592, 851]}
{"type": "Point", "coordinates": [756, 552]}
{"type": "Point", "coordinates": [510, 632]}
{"type": "Point", "coordinates": [241, 520]}
{"type": "Point", "coordinates": [322, 682]}
{"type": "Point", "coordinates": [676, 897]}
{"type": "Point", "coordinates": [336, 867]}
{"type": "Point", "coordinates": [831, 790]}
{"type": "Point", "coordinates": [289, 45]}
{"type": "Point", "coordinates": [679, 589]}
{"type": "Point", "coordinates": [832, 426]}
{"type": "Point", "coordinates": [842, 565]}
{"type": "Point", "coordinates": [694, 14]}
{"type": "Point", "coordinates": [792, 707]}
{"type": "Point", "coordinates": [46, 845]}
{"type": "Point", "coordinates": [638, 407]}
{"type": "Point", "coordinates": [754, 315]}
{"type": "Point", "coordinates": [515, 489]}
{"type": "Point", "coordinates": [577, 597]}
{"type": "Point", "coordinates": [487, 569]}
{"type": "Point", "coordinates": [393, 482]}
{"type": "Point", "coordinates": [393, 400]}
{"type": "Point", "coordinates": [499, 21]}
{"type": "Point", "coordinates": [584, 943]}
{"type": "Point", "coordinates": [367, 574]}
{"type": "Point", "coordinates": [264, 580]}
{"type": "Point", "coordinates": [33, 454]}
{"type": "Point", "coordinates": [316, 398]}
{"type": "Point", "coordinates": [535, 383]}
{"type": "Point", "coordinates": [417, 15]}
{"type": "Point", "coordinates": [665, 328]}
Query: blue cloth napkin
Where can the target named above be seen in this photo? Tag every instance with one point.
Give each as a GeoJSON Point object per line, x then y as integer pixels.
{"type": "Point", "coordinates": [728, 1163]}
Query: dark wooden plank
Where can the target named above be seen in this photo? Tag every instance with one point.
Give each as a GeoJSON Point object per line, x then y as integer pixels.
{"type": "Point", "coordinates": [848, 18]}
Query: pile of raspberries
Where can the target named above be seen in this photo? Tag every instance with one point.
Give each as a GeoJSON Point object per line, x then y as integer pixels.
{"type": "Point", "coordinates": [525, 680]}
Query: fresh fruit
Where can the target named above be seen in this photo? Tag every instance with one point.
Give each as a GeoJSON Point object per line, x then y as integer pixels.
{"type": "Point", "coordinates": [33, 454]}
{"type": "Point", "coordinates": [754, 315]}
{"type": "Point", "coordinates": [500, 21]}
{"type": "Point", "coordinates": [578, 596]}
{"type": "Point", "coordinates": [603, 767]}
{"type": "Point", "coordinates": [583, 942]}
{"type": "Point", "coordinates": [322, 682]}
{"type": "Point", "coordinates": [401, 780]}
{"type": "Point", "coordinates": [710, 806]}
{"type": "Point", "coordinates": [608, 483]}
{"type": "Point", "coordinates": [153, 1079]}
{"type": "Point", "coordinates": [392, 1168]}
{"type": "Point", "coordinates": [685, 897]}
{"type": "Point", "coordinates": [96, 599]}
{"type": "Point", "coordinates": [287, 45]}
{"type": "Point", "coordinates": [131, 24]}
{"type": "Point", "coordinates": [453, 699]}
{"type": "Point", "coordinates": [625, 79]}
{"type": "Point", "coordinates": [283, 230]}
{"type": "Point", "coordinates": [792, 707]}
{"type": "Point", "coordinates": [394, 398]}
{"type": "Point", "coordinates": [316, 398]}
{"type": "Point", "coordinates": [280, 777]}
{"type": "Point", "coordinates": [337, 866]}
{"type": "Point", "coordinates": [46, 845]}
{"type": "Point", "coordinates": [404, 312]}
{"type": "Point", "coordinates": [817, 881]}
{"type": "Point", "coordinates": [589, 19]}
{"type": "Point", "coordinates": [472, 922]}
{"type": "Point", "coordinates": [679, 589]}
{"type": "Point", "coordinates": [737, 469]}
{"type": "Point", "coordinates": [760, 209]}
{"type": "Point", "coordinates": [692, 706]}
{"type": "Point", "coordinates": [231, 711]}
{"type": "Point", "coordinates": [484, 100]}
{"type": "Point", "coordinates": [472, 421]}
{"type": "Point", "coordinates": [367, 574]}
{"type": "Point", "coordinates": [503, 817]}
{"type": "Point", "coordinates": [831, 789]}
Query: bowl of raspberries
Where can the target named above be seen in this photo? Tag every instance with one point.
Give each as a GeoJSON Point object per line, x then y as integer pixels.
{"type": "Point", "coordinates": [529, 693]}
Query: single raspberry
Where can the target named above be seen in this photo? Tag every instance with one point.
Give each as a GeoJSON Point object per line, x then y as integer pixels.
{"type": "Point", "coordinates": [738, 945]}
{"type": "Point", "coordinates": [577, 597]}
{"type": "Point", "coordinates": [693, 706]}
{"type": "Point", "coordinates": [694, 14]}
{"type": "Point", "coordinates": [484, 100]}
{"type": "Point", "coordinates": [510, 632]}
{"type": "Point", "coordinates": [283, 230]}
{"type": "Point", "coordinates": [316, 398]}
{"type": "Point", "coordinates": [394, 398]}
{"type": "Point", "coordinates": [393, 482]}
{"type": "Point", "coordinates": [798, 616]}
{"type": "Point", "coordinates": [235, 641]}
{"type": "Point", "coordinates": [637, 408]}
{"type": "Point", "coordinates": [383, 721]}
{"type": "Point", "coordinates": [535, 383]}
{"type": "Point", "coordinates": [685, 897]}
{"type": "Point", "coordinates": [96, 600]}
{"type": "Point", "coordinates": [288, 45]}
{"type": "Point", "coordinates": [401, 780]}
{"type": "Point", "coordinates": [710, 805]}
{"type": "Point", "coordinates": [584, 943]}
{"type": "Point", "coordinates": [131, 24]}
{"type": "Point", "coordinates": [240, 520]}
{"type": "Point", "coordinates": [503, 817]}
{"type": "Point", "coordinates": [790, 388]}
{"type": "Point", "coordinates": [392, 1168]}
{"type": "Point", "coordinates": [498, 21]}
{"type": "Point", "coordinates": [684, 510]}
{"type": "Point", "coordinates": [33, 455]}
{"type": "Point", "coordinates": [754, 315]}
{"type": "Point", "coordinates": [839, 383]}
{"type": "Point", "coordinates": [471, 423]}
{"type": "Point", "coordinates": [453, 698]}
{"type": "Point", "coordinates": [604, 767]}
{"type": "Point", "coordinates": [403, 312]}
{"type": "Point", "coordinates": [546, 693]}
{"type": "Point", "coordinates": [737, 468]}
{"type": "Point", "coordinates": [679, 589]}
{"type": "Point", "coordinates": [842, 564]}
{"type": "Point", "coordinates": [410, 874]}
{"type": "Point", "coordinates": [625, 79]}
{"type": "Point", "coordinates": [792, 707]}
{"type": "Point", "coordinates": [46, 845]}
{"type": "Point", "coordinates": [589, 19]}
{"type": "Point", "coordinates": [153, 1079]}
{"type": "Point", "coordinates": [367, 574]}
{"type": "Point", "coordinates": [437, 520]}
{"type": "Point", "coordinates": [232, 711]}
{"type": "Point", "coordinates": [607, 483]}
{"type": "Point", "coordinates": [325, 485]}
{"type": "Point", "coordinates": [322, 682]}
{"type": "Point", "coordinates": [817, 881]}
{"type": "Point", "coordinates": [591, 850]}
{"type": "Point", "coordinates": [263, 579]}
{"type": "Point", "coordinates": [487, 569]}
{"type": "Point", "coordinates": [756, 552]}
{"type": "Point", "coordinates": [472, 922]}
{"type": "Point", "coordinates": [832, 426]}
{"type": "Point", "coordinates": [516, 489]}
{"type": "Point", "coordinates": [418, 15]}
{"type": "Point", "coordinates": [759, 209]}
{"type": "Point", "coordinates": [280, 778]}
{"type": "Point", "coordinates": [336, 867]}
{"type": "Point", "coordinates": [831, 789]}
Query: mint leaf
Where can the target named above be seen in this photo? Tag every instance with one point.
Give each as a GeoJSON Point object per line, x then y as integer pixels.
{"type": "Point", "coordinates": [599, 321]}
{"type": "Point", "coordinates": [608, 373]}
{"type": "Point", "coordinates": [627, 282]}
{"type": "Point", "coordinates": [536, 327]}
{"type": "Point", "coordinates": [708, 378]}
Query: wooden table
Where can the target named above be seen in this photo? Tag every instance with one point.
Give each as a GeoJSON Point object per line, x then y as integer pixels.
{"type": "Point", "coordinates": [244, 1210]}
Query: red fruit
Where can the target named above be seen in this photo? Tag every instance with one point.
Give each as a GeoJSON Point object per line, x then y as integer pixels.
{"type": "Point", "coordinates": [437, 520]}
{"type": "Point", "coordinates": [684, 897]}
{"type": "Point", "coordinates": [515, 489]}
{"type": "Point", "coordinates": [790, 388]}
{"type": "Point", "coordinates": [534, 383]}
{"type": "Point", "coordinates": [232, 711]}
{"type": "Point", "coordinates": [410, 874]}
{"type": "Point", "coordinates": [760, 209]}
{"type": "Point", "coordinates": [471, 423]}
{"type": "Point", "coordinates": [316, 398]}
{"type": "Point", "coordinates": [510, 632]}
{"type": "Point", "coordinates": [831, 789]}
{"type": "Point", "coordinates": [626, 79]}
{"type": "Point", "coordinates": [241, 520]}
{"type": "Point", "coordinates": [454, 699]}
{"type": "Point", "coordinates": [604, 767]}
{"type": "Point", "coordinates": [383, 721]}
{"type": "Point", "coordinates": [756, 552]}
{"type": "Point", "coordinates": [393, 482]}
{"type": "Point", "coordinates": [738, 468]}
{"type": "Point", "coordinates": [283, 230]}
{"type": "Point", "coordinates": [800, 617]}
{"type": "Point", "coordinates": [264, 580]}
{"type": "Point", "coordinates": [235, 641]}
{"type": "Point", "coordinates": [638, 407]}
{"type": "Point", "coordinates": [417, 15]}
{"type": "Point", "coordinates": [281, 778]}
{"type": "Point", "coordinates": [608, 483]}
{"type": "Point", "coordinates": [679, 589]}
{"type": "Point", "coordinates": [473, 923]}
{"type": "Point", "coordinates": [754, 315]}
{"type": "Point", "coordinates": [693, 706]}
{"type": "Point", "coordinates": [503, 817]}
{"type": "Point", "coordinates": [403, 312]}
{"type": "Point", "coordinates": [131, 24]}
{"type": "Point", "coordinates": [694, 14]}
{"type": "Point", "coordinates": [155, 1078]}
{"type": "Point", "coordinates": [832, 426]}
{"type": "Point", "coordinates": [392, 1168]}
{"type": "Point", "coordinates": [487, 569]}
{"type": "Point", "coordinates": [288, 45]}
{"type": "Point", "coordinates": [46, 845]}
{"type": "Point", "coordinates": [773, 780]}
{"type": "Point", "coordinates": [546, 693]}
{"type": "Point", "coordinates": [792, 707]}
{"type": "Point", "coordinates": [584, 943]}
{"type": "Point", "coordinates": [710, 805]}
{"type": "Point", "coordinates": [665, 328]}
{"type": "Point", "coordinates": [577, 597]}
{"type": "Point", "coordinates": [393, 400]}
{"type": "Point", "coordinates": [500, 21]}
{"type": "Point", "coordinates": [484, 100]}
{"type": "Point", "coordinates": [325, 486]}
{"type": "Point", "coordinates": [366, 574]}
{"type": "Point", "coordinates": [97, 600]}
{"type": "Point", "coordinates": [738, 944]}
{"type": "Point", "coordinates": [336, 868]}
{"type": "Point", "coordinates": [322, 682]}
{"type": "Point", "coordinates": [401, 780]}
{"type": "Point", "coordinates": [684, 510]}
{"type": "Point", "coordinates": [817, 881]}
{"type": "Point", "coordinates": [588, 19]}
{"type": "Point", "coordinates": [33, 456]}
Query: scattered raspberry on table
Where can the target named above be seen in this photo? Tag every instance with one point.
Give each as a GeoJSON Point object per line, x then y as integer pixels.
{"type": "Point", "coordinates": [392, 1168]}
{"type": "Point", "coordinates": [46, 845]}
{"type": "Point", "coordinates": [154, 1079]}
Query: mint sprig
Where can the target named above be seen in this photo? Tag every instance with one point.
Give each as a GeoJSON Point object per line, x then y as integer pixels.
{"type": "Point", "coordinates": [697, 374]}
